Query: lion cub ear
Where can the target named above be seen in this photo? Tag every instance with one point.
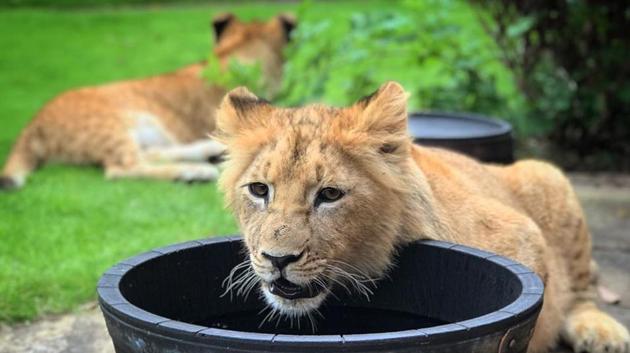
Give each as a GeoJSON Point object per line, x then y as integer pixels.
{"type": "Point", "coordinates": [383, 115]}
{"type": "Point", "coordinates": [240, 110]}
{"type": "Point", "coordinates": [288, 22]}
{"type": "Point", "coordinates": [220, 22]}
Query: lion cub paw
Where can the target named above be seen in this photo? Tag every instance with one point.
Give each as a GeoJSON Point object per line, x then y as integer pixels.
{"type": "Point", "coordinates": [593, 331]}
{"type": "Point", "coordinates": [200, 173]}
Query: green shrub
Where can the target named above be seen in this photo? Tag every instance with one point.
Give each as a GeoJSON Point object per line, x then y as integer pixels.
{"type": "Point", "coordinates": [436, 49]}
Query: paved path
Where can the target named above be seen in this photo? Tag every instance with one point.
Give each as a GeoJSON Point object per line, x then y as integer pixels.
{"type": "Point", "coordinates": [606, 200]}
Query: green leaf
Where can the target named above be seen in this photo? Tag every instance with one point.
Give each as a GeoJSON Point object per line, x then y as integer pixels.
{"type": "Point", "coordinates": [522, 25]}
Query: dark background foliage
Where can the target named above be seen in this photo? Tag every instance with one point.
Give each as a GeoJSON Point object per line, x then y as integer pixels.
{"type": "Point", "coordinates": [571, 61]}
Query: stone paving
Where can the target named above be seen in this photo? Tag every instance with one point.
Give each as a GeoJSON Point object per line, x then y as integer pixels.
{"type": "Point", "coordinates": [606, 200]}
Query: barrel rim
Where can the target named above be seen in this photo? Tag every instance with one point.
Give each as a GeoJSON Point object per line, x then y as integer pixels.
{"type": "Point", "coordinates": [523, 308]}
{"type": "Point", "coordinates": [502, 129]}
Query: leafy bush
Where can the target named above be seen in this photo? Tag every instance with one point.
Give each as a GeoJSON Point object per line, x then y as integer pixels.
{"type": "Point", "coordinates": [436, 49]}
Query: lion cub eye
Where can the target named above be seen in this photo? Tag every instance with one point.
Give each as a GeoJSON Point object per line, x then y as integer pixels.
{"type": "Point", "coordinates": [259, 190]}
{"type": "Point", "coordinates": [328, 195]}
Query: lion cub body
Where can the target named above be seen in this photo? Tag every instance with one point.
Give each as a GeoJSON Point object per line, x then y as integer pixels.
{"type": "Point", "coordinates": [155, 127]}
{"type": "Point", "coordinates": [394, 192]}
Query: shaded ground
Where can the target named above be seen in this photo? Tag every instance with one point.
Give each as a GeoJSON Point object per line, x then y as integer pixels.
{"type": "Point", "coordinates": [606, 200]}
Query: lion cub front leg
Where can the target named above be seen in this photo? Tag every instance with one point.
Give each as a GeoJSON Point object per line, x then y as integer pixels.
{"type": "Point", "coordinates": [186, 172]}
{"type": "Point", "coordinates": [505, 231]}
{"type": "Point", "coordinates": [588, 329]}
{"type": "Point", "coordinates": [200, 151]}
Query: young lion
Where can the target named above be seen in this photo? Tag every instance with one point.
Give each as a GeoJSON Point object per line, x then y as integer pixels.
{"type": "Point", "coordinates": [317, 186]}
{"type": "Point", "coordinates": [154, 127]}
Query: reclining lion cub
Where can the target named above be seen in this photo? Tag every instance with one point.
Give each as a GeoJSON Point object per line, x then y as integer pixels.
{"type": "Point", "coordinates": [318, 186]}
{"type": "Point", "coordinates": [155, 127]}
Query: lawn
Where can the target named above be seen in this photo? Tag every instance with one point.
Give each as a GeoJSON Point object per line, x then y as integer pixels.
{"type": "Point", "coordinates": [68, 225]}
{"type": "Point", "coordinates": [59, 233]}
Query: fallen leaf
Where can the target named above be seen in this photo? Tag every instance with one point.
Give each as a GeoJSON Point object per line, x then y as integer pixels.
{"type": "Point", "coordinates": [607, 295]}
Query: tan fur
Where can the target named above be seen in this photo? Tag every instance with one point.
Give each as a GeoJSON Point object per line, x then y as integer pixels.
{"type": "Point", "coordinates": [155, 127]}
{"type": "Point", "coordinates": [397, 192]}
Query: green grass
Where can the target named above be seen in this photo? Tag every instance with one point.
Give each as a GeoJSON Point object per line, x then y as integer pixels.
{"type": "Point", "coordinates": [68, 225]}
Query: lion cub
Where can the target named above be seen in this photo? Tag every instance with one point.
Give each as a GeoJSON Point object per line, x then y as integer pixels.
{"type": "Point", "coordinates": [154, 127]}
{"type": "Point", "coordinates": [319, 191]}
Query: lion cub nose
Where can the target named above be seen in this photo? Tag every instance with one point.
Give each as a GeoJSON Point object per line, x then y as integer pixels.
{"type": "Point", "coordinates": [280, 262]}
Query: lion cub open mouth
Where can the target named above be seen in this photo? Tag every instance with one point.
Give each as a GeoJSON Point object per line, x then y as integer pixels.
{"type": "Point", "coordinates": [289, 290]}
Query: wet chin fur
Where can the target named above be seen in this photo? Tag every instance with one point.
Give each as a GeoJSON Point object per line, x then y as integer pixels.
{"type": "Point", "coordinates": [293, 307]}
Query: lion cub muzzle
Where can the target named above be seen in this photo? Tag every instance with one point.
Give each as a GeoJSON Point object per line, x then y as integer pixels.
{"type": "Point", "coordinates": [284, 288]}
{"type": "Point", "coordinates": [280, 262]}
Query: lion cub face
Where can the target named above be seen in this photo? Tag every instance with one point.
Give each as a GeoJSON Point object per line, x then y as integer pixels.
{"type": "Point", "coordinates": [314, 190]}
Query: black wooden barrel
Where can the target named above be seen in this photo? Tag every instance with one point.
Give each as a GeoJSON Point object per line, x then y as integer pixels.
{"type": "Point", "coordinates": [486, 139]}
{"type": "Point", "coordinates": [440, 297]}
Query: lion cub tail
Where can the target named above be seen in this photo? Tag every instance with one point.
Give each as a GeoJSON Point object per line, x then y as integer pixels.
{"type": "Point", "coordinates": [21, 162]}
